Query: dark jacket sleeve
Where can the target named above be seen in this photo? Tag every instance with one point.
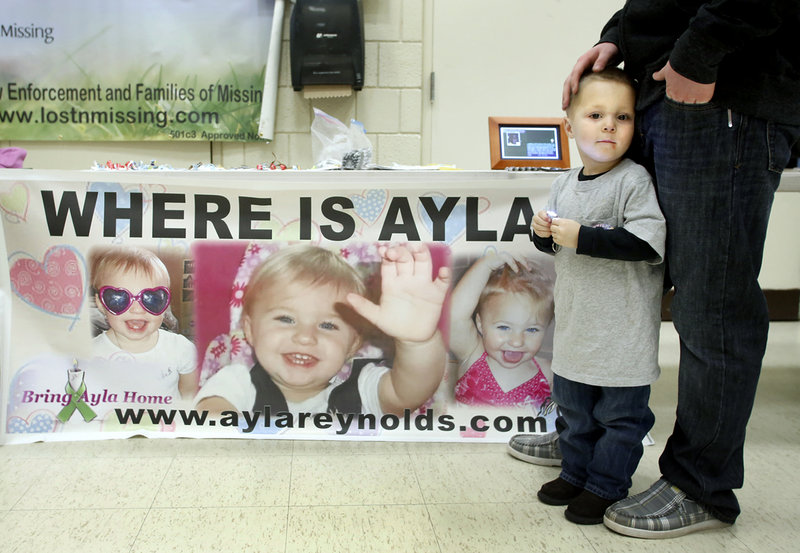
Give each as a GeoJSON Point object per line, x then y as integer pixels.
{"type": "Point", "coordinates": [616, 243]}
{"type": "Point", "coordinates": [610, 32]}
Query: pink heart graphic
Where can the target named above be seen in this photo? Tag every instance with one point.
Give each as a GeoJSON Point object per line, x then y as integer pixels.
{"type": "Point", "coordinates": [55, 285]}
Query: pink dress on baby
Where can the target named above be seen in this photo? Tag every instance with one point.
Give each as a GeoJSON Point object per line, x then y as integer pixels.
{"type": "Point", "coordinates": [478, 386]}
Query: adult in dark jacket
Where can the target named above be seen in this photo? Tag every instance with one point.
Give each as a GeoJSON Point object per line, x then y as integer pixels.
{"type": "Point", "coordinates": [718, 110]}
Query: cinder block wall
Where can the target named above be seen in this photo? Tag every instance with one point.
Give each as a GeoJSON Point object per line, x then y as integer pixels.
{"type": "Point", "coordinates": [389, 106]}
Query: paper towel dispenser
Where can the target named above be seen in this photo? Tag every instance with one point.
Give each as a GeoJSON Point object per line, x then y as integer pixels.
{"type": "Point", "coordinates": [327, 43]}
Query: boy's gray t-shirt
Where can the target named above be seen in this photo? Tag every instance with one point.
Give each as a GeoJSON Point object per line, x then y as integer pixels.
{"type": "Point", "coordinates": [608, 312]}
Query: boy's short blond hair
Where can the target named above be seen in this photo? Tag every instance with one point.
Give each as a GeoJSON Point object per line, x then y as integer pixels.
{"type": "Point", "coordinates": [126, 258]}
{"type": "Point", "coordinates": [612, 74]}
{"type": "Point", "coordinates": [305, 263]}
{"type": "Point", "coordinates": [533, 282]}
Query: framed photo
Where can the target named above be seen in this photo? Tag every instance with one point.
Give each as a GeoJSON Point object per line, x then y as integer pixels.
{"type": "Point", "coordinates": [528, 142]}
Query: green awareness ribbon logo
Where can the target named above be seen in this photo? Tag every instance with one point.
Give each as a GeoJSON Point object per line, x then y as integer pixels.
{"type": "Point", "coordinates": [75, 402]}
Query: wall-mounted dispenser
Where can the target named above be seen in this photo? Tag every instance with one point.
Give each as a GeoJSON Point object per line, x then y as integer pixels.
{"type": "Point", "coordinates": [327, 45]}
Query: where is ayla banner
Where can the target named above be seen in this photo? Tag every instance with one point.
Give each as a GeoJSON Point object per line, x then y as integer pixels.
{"type": "Point", "coordinates": [226, 304]}
{"type": "Point", "coordinates": [132, 70]}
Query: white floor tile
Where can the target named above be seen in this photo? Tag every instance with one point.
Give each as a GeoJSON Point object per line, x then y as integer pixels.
{"type": "Point", "coordinates": [226, 482]}
{"type": "Point", "coordinates": [373, 529]}
{"type": "Point", "coordinates": [504, 528]}
{"type": "Point", "coordinates": [118, 483]}
{"type": "Point", "coordinates": [711, 541]}
{"type": "Point", "coordinates": [353, 480]}
{"type": "Point", "coordinates": [231, 447]}
{"type": "Point", "coordinates": [217, 530]}
{"type": "Point", "coordinates": [356, 447]}
{"type": "Point", "coordinates": [17, 477]}
{"type": "Point", "coordinates": [479, 478]}
{"type": "Point", "coordinates": [769, 524]}
{"type": "Point", "coordinates": [70, 530]}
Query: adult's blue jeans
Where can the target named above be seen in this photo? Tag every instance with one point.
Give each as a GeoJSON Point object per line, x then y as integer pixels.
{"type": "Point", "coordinates": [716, 173]}
{"type": "Point", "coordinates": [600, 434]}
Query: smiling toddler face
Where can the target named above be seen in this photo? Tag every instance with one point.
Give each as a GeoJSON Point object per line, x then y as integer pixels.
{"type": "Point", "coordinates": [300, 335]}
{"type": "Point", "coordinates": [512, 326]}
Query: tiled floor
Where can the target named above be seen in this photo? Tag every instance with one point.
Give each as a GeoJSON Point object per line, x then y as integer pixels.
{"type": "Point", "coordinates": [241, 496]}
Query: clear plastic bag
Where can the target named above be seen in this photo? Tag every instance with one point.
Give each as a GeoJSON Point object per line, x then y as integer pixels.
{"type": "Point", "coordinates": [337, 146]}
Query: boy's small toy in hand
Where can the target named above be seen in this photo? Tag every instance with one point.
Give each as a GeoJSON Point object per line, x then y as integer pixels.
{"type": "Point", "coordinates": [552, 214]}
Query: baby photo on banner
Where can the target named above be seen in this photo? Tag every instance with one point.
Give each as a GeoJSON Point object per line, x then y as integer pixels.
{"type": "Point", "coordinates": [158, 307]}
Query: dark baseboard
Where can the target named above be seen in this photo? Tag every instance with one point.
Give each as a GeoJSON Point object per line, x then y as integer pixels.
{"type": "Point", "coordinates": [784, 305]}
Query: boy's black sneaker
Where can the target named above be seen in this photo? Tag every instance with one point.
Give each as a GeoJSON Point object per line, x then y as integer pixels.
{"type": "Point", "coordinates": [588, 508]}
{"type": "Point", "coordinates": [558, 492]}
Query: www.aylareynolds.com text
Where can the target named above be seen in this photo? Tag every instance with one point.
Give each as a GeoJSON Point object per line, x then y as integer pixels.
{"type": "Point", "coordinates": [341, 422]}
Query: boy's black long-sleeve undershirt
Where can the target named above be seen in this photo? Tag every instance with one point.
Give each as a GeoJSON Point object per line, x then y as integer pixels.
{"type": "Point", "coordinates": [615, 243]}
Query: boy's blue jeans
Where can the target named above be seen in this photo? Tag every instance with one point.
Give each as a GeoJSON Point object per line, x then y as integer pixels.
{"type": "Point", "coordinates": [600, 434]}
{"type": "Point", "coordinates": [716, 174]}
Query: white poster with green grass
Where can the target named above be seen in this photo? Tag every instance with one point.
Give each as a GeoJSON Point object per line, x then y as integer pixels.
{"type": "Point", "coordinates": [132, 69]}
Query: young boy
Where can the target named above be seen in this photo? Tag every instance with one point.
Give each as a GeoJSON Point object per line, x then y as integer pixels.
{"type": "Point", "coordinates": [300, 316]}
{"type": "Point", "coordinates": [604, 226]}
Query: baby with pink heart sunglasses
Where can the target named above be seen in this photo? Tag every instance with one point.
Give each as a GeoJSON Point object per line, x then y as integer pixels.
{"type": "Point", "coordinates": [132, 292]}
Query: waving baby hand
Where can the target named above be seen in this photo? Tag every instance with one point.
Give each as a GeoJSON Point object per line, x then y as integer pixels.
{"type": "Point", "coordinates": [411, 299]}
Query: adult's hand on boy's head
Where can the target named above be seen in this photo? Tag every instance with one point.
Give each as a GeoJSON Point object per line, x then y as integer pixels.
{"type": "Point", "coordinates": [598, 58]}
{"type": "Point", "coordinates": [411, 299]}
